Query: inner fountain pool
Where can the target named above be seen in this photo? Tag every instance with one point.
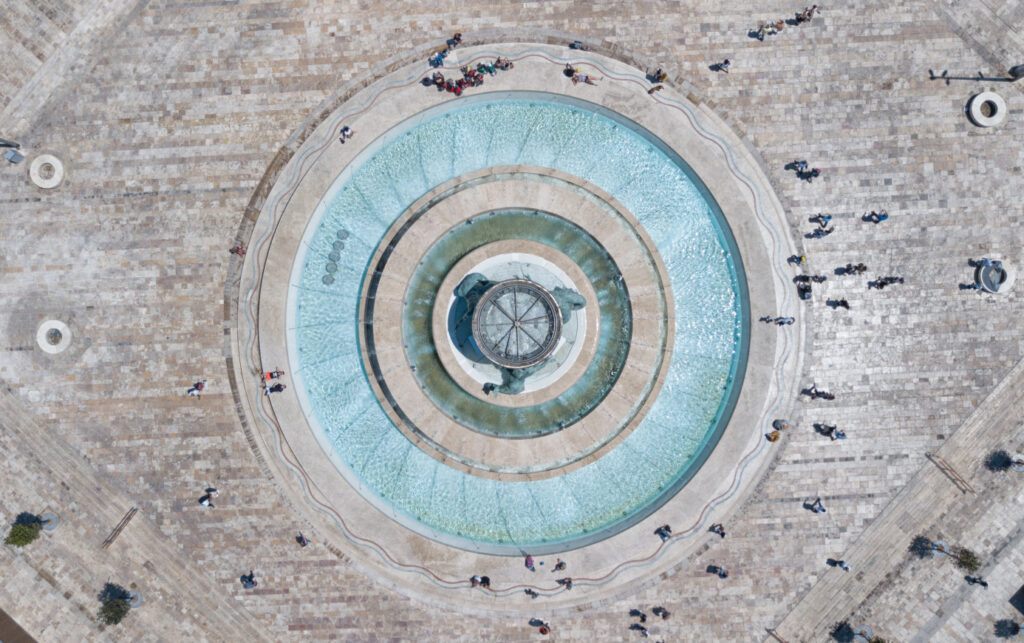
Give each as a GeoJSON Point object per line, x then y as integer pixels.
{"type": "Point", "coordinates": [700, 385]}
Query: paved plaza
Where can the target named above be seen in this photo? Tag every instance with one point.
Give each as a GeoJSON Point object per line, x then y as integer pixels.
{"type": "Point", "coordinates": [175, 121]}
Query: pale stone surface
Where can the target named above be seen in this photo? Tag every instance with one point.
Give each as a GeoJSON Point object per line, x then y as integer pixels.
{"type": "Point", "coordinates": [171, 115]}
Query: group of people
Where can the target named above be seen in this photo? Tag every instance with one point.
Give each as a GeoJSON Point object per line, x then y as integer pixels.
{"type": "Point", "coordinates": [778, 321]}
{"type": "Point", "coordinates": [881, 282]}
{"type": "Point", "coordinates": [807, 14]}
{"type": "Point", "coordinates": [270, 383]}
{"type": "Point", "coordinates": [531, 564]}
{"type": "Point", "coordinates": [772, 27]}
{"type": "Point", "coordinates": [778, 426]}
{"type": "Point", "coordinates": [639, 626]}
{"type": "Point", "coordinates": [472, 76]}
{"type": "Point", "coordinates": [437, 59]}
{"type": "Point", "coordinates": [804, 171]}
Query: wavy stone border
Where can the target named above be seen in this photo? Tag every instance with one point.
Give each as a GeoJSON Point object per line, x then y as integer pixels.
{"type": "Point", "coordinates": [607, 569]}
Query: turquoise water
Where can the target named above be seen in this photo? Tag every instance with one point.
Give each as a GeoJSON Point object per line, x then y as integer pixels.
{"type": "Point", "coordinates": [682, 425]}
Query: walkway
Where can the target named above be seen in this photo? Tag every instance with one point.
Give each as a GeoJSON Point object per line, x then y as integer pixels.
{"type": "Point", "coordinates": [929, 494]}
{"type": "Point", "coordinates": [180, 600]}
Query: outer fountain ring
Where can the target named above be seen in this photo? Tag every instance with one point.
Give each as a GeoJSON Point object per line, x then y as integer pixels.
{"type": "Point", "coordinates": [288, 444]}
{"type": "Point", "coordinates": [489, 303]}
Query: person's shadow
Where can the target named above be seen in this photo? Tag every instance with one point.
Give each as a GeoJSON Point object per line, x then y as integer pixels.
{"type": "Point", "coordinates": [755, 34]}
{"type": "Point", "coordinates": [832, 562]}
{"type": "Point", "coordinates": [716, 67]}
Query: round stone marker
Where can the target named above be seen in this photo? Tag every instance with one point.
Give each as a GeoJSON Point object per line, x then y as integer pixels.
{"type": "Point", "coordinates": [53, 336]}
{"type": "Point", "coordinates": [987, 109]}
{"type": "Point", "coordinates": [46, 171]}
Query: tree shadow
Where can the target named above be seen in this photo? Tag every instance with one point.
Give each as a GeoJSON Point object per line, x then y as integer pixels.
{"type": "Point", "coordinates": [922, 547]}
{"type": "Point", "coordinates": [1006, 628]}
{"type": "Point", "coordinates": [113, 592]}
{"type": "Point", "coordinates": [998, 461]}
{"type": "Point", "coordinates": [27, 518]}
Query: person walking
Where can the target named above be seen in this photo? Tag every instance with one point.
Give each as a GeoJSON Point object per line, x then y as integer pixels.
{"type": "Point", "coordinates": [249, 580]}
{"type": "Point", "coordinates": [664, 532]}
{"type": "Point", "coordinates": [717, 528]}
{"type": "Point", "coordinates": [818, 507]}
{"type": "Point", "coordinates": [197, 389]}
{"type": "Point", "coordinates": [724, 66]}
{"type": "Point", "coordinates": [842, 564]}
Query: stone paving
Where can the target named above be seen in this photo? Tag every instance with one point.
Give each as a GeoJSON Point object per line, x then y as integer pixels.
{"type": "Point", "coordinates": [167, 115]}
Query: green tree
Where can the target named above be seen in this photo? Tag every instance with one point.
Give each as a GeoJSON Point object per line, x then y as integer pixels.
{"type": "Point", "coordinates": [115, 605]}
{"type": "Point", "coordinates": [113, 611]}
{"type": "Point", "coordinates": [22, 534]}
{"type": "Point", "coordinates": [966, 559]}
